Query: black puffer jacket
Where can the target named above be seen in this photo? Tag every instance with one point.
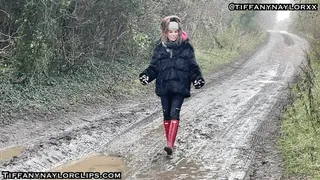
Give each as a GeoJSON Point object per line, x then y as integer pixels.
{"type": "Point", "coordinates": [174, 67]}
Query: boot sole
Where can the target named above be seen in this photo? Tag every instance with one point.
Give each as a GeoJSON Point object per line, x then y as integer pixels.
{"type": "Point", "coordinates": [168, 150]}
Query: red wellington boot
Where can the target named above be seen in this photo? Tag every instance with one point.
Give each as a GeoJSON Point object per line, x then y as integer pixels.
{"type": "Point", "coordinates": [172, 136]}
{"type": "Point", "coordinates": [166, 124]}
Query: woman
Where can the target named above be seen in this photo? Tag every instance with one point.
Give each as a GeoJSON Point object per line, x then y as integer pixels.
{"type": "Point", "coordinates": [174, 67]}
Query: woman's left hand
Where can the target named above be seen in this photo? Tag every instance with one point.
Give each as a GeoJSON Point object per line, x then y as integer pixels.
{"type": "Point", "coordinates": [198, 83]}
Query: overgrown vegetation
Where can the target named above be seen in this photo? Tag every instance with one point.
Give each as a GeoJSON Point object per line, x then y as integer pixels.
{"type": "Point", "coordinates": [57, 54]}
{"type": "Point", "coordinates": [301, 123]}
{"type": "Point", "coordinates": [299, 142]}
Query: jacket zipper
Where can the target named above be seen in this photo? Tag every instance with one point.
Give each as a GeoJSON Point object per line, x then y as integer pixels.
{"type": "Point", "coordinates": [170, 53]}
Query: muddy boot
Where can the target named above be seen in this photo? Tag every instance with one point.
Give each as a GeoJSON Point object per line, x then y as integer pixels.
{"type": "Point", "coordinates": [166, 124]}
{"type": "Point", "coordinates": [168, 150]}
{"type": "Point", "coordinates": [172, 136]}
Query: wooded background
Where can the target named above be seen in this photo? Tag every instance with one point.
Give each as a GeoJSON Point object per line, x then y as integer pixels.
{"type": "Point", "coordinates": [42, 39]}
{"type": "Point", "coordinates": [56, 54]}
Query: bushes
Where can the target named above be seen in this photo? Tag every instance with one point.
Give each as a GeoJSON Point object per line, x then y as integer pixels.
{"type": "Point", "coordinates": [53, 38]}
{"type": "Point", "coordinates": [58, 52]}
{"type": "Point", "coordinates": [67, 36]}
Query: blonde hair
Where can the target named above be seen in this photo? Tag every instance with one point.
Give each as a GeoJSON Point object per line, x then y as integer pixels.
{"type": "Point", "coordinates": [165, 28]}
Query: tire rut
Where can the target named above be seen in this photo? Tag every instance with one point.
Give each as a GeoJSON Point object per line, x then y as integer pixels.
{"type": "Point", "coordinates": [54, 150]}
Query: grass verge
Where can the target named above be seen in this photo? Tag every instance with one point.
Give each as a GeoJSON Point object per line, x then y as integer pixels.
{"type": "Point", "coordinates": [212, 60]}
{"type": "Point", "coordinates": [300, 129]}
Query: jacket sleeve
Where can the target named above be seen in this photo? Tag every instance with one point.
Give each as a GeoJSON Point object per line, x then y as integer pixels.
{"type": "Point", "coordinates": [195, 71]}
{"type": "Point", "coordinates": [151, 70]}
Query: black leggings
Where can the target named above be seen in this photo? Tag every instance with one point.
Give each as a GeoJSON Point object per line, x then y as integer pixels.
{"type": "Point", "coordinates": [171, 105]}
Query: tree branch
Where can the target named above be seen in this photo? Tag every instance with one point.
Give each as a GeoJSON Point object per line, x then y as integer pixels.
{"type": "Point", "coordinates": [5, 12]}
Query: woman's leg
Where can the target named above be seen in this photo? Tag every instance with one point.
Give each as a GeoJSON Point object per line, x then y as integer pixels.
{"type": "Point", "coordinates": [166, 102]}
{"type": "Point", "coordinates": [176, 105]}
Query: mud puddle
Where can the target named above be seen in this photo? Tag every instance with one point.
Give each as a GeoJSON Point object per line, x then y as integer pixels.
{"type": "Point", "coordinates": [94, 163]}
{"type": "Point", "coordinates": [185, 169]}
{"type": "Point", "coordinates": [10, 153]}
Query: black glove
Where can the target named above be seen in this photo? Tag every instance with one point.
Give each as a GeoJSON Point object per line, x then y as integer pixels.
{"type": "Point", "coordinates": [144, 79]}
{"type": "Point", "coordinates": [198, 83]}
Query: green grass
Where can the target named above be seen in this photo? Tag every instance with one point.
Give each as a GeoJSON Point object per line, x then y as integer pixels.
{"type": "Point", "coordinates": [300, 139]}
{"type": "Point", "coordinates": [211, 60]}
{"type": "Point", "coordinates": [66, 93]}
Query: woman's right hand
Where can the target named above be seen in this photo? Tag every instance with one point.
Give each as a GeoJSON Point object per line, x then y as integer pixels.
{"type": "Point", "coordinates": [144, 79]}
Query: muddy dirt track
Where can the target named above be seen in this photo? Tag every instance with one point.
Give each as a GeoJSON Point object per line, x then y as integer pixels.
{"type": "Point", "coordinates": [221, 126]}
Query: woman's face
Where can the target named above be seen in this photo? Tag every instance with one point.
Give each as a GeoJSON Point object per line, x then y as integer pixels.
{"type": "Point", "coordinates": [173, 35]}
